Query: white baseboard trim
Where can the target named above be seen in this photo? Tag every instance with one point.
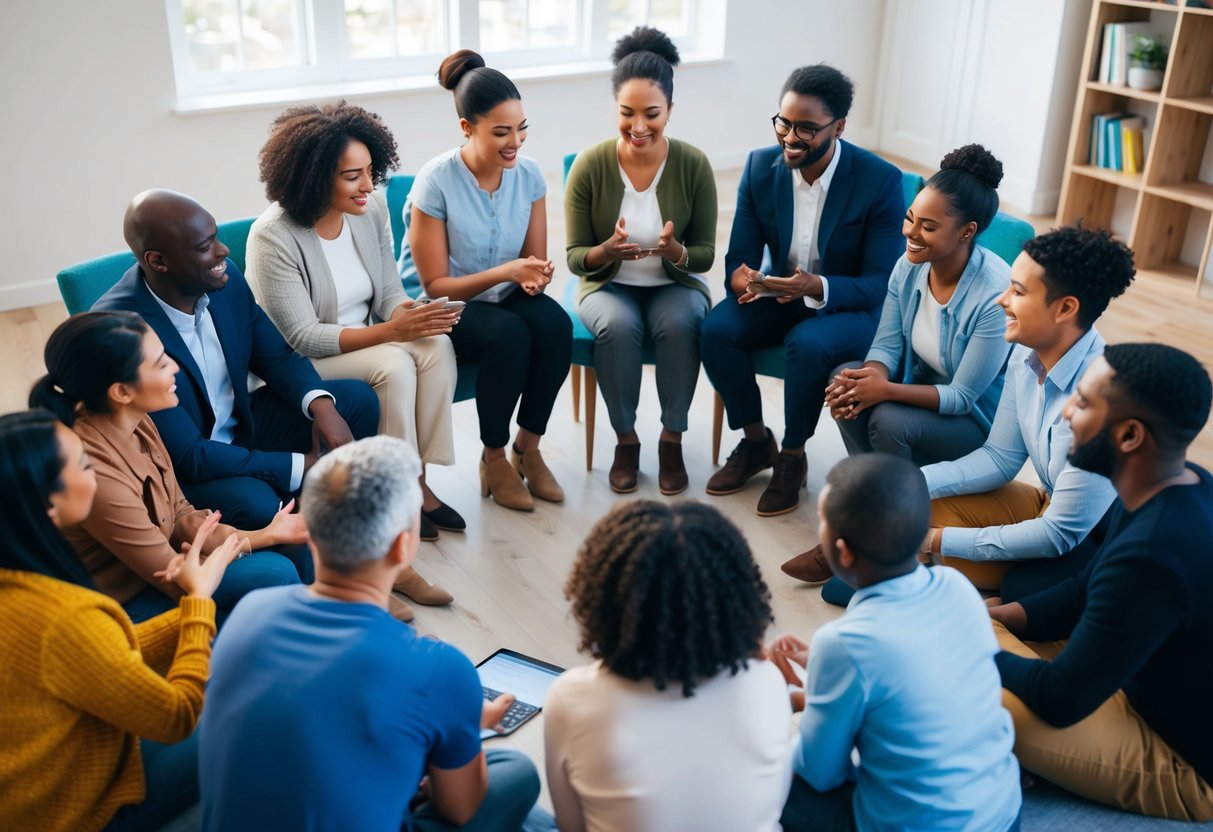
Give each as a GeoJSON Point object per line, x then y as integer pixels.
{"type": "Point", "coordinates": [31, 293]}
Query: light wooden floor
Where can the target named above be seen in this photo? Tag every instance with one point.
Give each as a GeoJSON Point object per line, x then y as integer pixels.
{"type": "Point", "coordinates": [507, 572]}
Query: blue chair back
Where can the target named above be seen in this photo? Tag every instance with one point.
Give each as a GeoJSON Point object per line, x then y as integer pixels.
{"type": "Point", "coordinates": [569, 158]}
{"type": "Point", "coordinates": [234, 235]}
{"type": "Point", "coordinates": [911, 184]}
{"type": "Point", "coordinates": [397, 193]}
{"type": "Point", "coordinates": [83, 284]}
{"type": "Point", "coordinates": [1006, 236]}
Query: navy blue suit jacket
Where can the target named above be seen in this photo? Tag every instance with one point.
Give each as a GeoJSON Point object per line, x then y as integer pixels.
{"type": "Point", "coordinates": [860, 234]}
{"type": "Point", "coordinates": [250, 343]}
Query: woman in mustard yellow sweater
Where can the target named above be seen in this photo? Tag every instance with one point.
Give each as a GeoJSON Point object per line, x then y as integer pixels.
{"type": "Point", "coordinates": [87, 697]}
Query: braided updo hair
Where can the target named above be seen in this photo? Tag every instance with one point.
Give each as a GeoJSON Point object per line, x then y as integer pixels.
{"type": "Point", "coordinates": [669, 593]}
{"type": "Point", "coordinates": [968, 178]}
{"type": "Point", "coordinates": [477, 88]}
{"type": "Point", "coordinates": [646, 53]}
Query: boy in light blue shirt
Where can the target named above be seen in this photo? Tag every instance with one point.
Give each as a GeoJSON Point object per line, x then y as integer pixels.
{"type": "Point", "coordinates": [906, 678]}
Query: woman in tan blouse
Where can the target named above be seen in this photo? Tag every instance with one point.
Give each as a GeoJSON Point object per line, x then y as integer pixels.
{"type": "Point", "coordinates": [106, 372]}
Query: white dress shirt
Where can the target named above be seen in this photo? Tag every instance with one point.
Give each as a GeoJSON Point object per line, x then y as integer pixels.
{"type": "Point", "coordinates": [808, 202]}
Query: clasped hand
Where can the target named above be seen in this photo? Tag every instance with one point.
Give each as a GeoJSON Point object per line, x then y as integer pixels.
{"type": "Point", "coordinates": [791, 656]}
{"type": "Point", "coordinates": [412, 321]}
{"type": "Point", "coordinates": [619, 248]}
{"type": "Point", "coordinates": [194, 574]}
{"type": "Point", "coordinates": [855, 390]}
{"type": "Point", "coordinates": [750, 285]}
{"type": "Point", "coordinates": [532, 274]}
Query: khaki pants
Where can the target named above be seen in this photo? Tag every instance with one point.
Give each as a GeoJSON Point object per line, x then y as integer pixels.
{"type": "Point", "coordinates": [415, 383]}
{"type": "Point", "coordinates": [1015, 502]}
{"type": "Point", "coordinates": [1112, 757]}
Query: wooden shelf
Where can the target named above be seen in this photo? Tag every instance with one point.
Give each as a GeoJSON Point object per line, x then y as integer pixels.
{"type": "Point", "coordinates": [1200, 105]}
{"type": "Point", "coordinates": [1197, 194]}
{"type": "Point", "coordinates": [1198, 10]}
{"type": "Point", "coordinates": [1142, 4]}
{"type": "Point", "coordinates": [1174, 271]}
{"type": "Point", "coordinates": [1116, 177]}
{"type": "Point", "coordinates": [1153, 96]}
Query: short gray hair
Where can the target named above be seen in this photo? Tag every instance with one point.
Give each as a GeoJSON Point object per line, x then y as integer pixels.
{"type": "Point", "coordinates": [359, 497]}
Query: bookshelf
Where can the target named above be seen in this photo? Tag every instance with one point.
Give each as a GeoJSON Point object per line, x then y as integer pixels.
{"type": "Point", "coordinates": [1165, 212]}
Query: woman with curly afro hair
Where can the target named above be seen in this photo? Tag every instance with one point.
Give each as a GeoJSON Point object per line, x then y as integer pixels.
{"type": "Point", "coordinates": [680, 722]}
{"type": "Point", "coordinates": [320, 262]}
{"type": "Point", "coordinates": [477, 232]}
{"type": "Point", "coordinates": [930, 384]}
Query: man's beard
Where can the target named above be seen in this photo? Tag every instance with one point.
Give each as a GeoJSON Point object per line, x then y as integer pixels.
{"type": "Point", "coordinates": [810, 157]}
{"type": "Point", "coordinates": [1097, 455]}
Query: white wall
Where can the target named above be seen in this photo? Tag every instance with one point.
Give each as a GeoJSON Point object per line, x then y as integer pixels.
{"type": "Point", "coordinates": [88, 96]}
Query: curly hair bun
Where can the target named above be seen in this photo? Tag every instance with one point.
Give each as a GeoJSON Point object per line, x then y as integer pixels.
{"type": "Point", "coordinates": [646, 39]}
{"type": "Point", "coordinates": [456, 65]}
{"type": "Point", "coordinates": [976, 161]}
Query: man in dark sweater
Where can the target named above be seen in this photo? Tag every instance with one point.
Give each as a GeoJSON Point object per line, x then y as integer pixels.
{"type": "Point", "coordinates": [1121, 711]}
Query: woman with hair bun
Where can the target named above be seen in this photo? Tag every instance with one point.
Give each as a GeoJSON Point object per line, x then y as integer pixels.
{"type": "Point", "coordinates": [106, 371]}
{"type": "Point", "coordinates": [933, 375]}
{"type": "Point", "coordinates": [680, 722]}
{"type": "Point", "coordinates": [641, 214]}
{"type": "Point", "coordinates": [477, 232]}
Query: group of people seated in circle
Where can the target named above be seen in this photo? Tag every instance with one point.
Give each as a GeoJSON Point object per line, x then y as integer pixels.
{"type": "Point", "coordinates": [150, 491]}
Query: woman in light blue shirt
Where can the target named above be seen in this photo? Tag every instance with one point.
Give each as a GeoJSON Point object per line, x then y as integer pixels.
{"type": "Point", "coordinates": [477, 232]}
{"type": "Point", "coordinates": [933, 375]}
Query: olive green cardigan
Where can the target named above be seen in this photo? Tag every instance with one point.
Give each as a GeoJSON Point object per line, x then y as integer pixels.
{"type": "Point", "coordinates": [686, 195]}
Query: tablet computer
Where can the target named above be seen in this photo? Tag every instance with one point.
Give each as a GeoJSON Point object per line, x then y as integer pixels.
{"type": "Point", "coordinates": [508, 671]}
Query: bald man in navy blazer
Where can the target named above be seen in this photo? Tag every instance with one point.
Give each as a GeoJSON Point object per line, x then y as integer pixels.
{"type": "Point", "coordinates": [816, 233]}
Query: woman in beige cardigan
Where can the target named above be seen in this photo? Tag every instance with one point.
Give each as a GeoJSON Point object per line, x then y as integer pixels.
{"type": "Point", "coordinates": [320, 263]}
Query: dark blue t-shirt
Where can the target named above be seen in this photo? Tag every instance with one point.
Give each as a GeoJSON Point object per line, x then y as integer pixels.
{"type": "Point", "coordinates": [323, 715]}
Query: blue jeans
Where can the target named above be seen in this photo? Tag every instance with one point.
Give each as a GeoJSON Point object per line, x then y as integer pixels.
{"type": "Point", "coordinates": [171, 775]}
{"type": "Point", "coordinates": [507, 805]}
{"type": "Point", "coordinates": [256, 571]}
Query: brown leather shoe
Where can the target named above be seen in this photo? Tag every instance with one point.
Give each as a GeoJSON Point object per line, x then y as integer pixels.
{"type": "Point", "coordinates": [783, 492]}
{"type": "Point", "coordinates": [499, 479]}
{"type": "Point", "coordinates": [398, 609]}
{"type": "Point", "coordinates": [671, 472]}
{"type": "Point", "coordinates": [810, 567]}
{"type": "Point", "coordinates": [626, 468]}
{"type": "Point", "coordinates": [539, 478]}
{"type": "Point", "coordinates": [418, 589]}
{"type": "Point", "coordinates": [747, 459]}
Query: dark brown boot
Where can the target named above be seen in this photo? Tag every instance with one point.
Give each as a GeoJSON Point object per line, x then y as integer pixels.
{"type": "Point", "coordinates": [626, 468]}
{"type": "Point", "coordinates": [671, 472]}
{"type": "Point", "coordinates": [810, 567]}
{"type": "Point", "coordinates": [783, 493]}
{"type": "Point", "coordinates": [747, 459]}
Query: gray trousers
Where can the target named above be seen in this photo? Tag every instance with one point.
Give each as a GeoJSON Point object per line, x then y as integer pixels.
{"type": "Point", "coordinates": [921, 436]}
{"type": "Point", "coordinates": [621, 319]}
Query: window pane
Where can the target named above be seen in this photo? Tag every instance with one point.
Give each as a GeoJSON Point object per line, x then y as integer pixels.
{"type": "Point", "coordinates": [212, 30]}
{"type": "Point", "coordinates": [551, 23]}
{"type": "Point", "coordinates": [625, 16]}
{"type": "Point", "coordinates": [271, 34]}
{"type": "Point", "coordinates": [502, 25]}
{"type": "Point", "coordinates": [670, 17]}
{"type": "Point", "coordinates": [368, 26]}
{"type": "Point", "coordinates": [421, 27]}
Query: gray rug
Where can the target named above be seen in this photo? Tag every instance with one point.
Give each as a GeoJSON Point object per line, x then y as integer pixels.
{"type": "Point", "coordinates": [1047, 807]}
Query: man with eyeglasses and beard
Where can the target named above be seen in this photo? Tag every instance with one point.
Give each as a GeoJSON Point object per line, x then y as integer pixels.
{"type": "Point", "coordinates": [816, 233]}
{"type": "Point", "coordinates": [1119, 711]}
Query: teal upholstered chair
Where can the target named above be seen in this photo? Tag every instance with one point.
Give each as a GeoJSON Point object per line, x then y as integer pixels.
{"type": "Point", "coordinates": [397, 193]}
{"type": "Point", "coordinates": [83, 284]}
{"type": "Point", "coordinates": [1005, 237]}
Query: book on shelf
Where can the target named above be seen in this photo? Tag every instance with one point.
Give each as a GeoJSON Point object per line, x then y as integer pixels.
{"type": "Point", "coordinates": [1132, 139]}
{"type": "Point", "coordinates": [1115, 49]}
{"type": "Point", "coordinates": [1117, 142]}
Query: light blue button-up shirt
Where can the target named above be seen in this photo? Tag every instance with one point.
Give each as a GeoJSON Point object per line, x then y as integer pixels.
{"type": "Point", "coordinates": [483, 230]}
{"type": "Point", "coordinates": [907, 679]}
{"type": "Point", "coordinates": [1029, 425]}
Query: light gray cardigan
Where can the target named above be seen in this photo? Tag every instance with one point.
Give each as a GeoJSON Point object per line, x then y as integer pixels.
{"type": "Point", "coordinates": [293, 283]}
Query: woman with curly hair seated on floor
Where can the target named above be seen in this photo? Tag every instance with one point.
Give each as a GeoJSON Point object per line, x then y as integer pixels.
{"type": "Point", "coordinates": [673, 608]}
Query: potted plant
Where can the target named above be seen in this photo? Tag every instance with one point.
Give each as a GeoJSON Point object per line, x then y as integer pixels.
{"type": "Point", "coordinates": [1149, 57]}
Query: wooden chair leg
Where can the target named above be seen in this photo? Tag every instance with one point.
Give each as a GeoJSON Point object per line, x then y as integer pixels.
{"type": "Point", "coordinates": [575, 372]}
{"type": "Point", "coordinates": [717, 424]}
{"type": "Point", "coordinates": [591, 404]}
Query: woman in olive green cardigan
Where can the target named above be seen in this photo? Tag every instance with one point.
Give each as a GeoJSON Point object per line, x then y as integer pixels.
{"type": "Point", "coordinates": [641, 215]}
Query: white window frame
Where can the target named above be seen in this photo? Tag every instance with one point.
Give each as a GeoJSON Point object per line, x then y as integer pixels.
{"type": "Point", "coordinates": [330, 70]}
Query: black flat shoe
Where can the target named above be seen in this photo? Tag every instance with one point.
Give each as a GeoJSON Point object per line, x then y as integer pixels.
{"type": "Point", "coordinates": [444, 517]}
{"type": "Point", "coordinates": [427, 530]}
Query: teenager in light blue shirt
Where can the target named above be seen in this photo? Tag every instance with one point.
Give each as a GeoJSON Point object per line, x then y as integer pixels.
{"type": "Point", "coordinates": [906, 677]}
{"type": "Point", "coordinates": [983, 519]}
{"type": "Point", "coordinates": [477, 232]}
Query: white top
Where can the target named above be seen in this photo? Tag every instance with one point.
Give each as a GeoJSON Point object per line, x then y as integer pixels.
{"type": "Point", "coordinates": [924, 335]}
{"type": "Point", "coordinates": [623, 755]}
{"type": "Point", "coordinates": [808, 201]}
{"type": "Point", "coordinates": [643, 224]}
{"type": "Point", "coordinates": [353, 282]}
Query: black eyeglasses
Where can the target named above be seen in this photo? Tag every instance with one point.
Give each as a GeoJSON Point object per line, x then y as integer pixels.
{"type": "Point", "coordinates": [805, 130]}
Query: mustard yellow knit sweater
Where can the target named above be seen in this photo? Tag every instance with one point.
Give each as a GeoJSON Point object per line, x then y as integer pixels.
{"type": "Point", "coordinates": [79, 685]}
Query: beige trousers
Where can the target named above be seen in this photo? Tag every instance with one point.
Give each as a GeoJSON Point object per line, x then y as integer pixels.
{"type": "Point", "coordinates": [1112, 757]}
{"type": "Point", "coordinates": [415, 383]}
{"type": "Point", "coordinates": [1013, 503]}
